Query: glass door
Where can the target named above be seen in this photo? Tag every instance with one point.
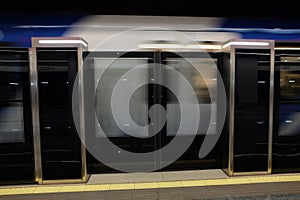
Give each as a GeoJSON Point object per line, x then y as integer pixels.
{"type": "Point", "coordinates": [16, 142]}
{"type": "Point", "coordinates": [200, 71]}
{"type": "Point", "coordinates": [286, 145]}
{"type": "Point", "coordinates": [154, 107]}
{"type": "Point", "coordinates": [251, 115]}
{"type": "Point", "coordinates": [125, 122]}
{"type": "Point", "coordinates": [60, 142]}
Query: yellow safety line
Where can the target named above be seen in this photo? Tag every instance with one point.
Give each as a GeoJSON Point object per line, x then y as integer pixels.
{"type": "Point", "coordinates": [42, 189]}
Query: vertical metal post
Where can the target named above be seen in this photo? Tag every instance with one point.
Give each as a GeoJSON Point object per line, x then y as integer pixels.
{"type": "Point", "coordinates": [34, 97]}
{"type": "Point", "coordinates": [268, 44]}
{"type": "Point", "coordinates": [271, 108]}
{"type": "Point", "coordinates": [231, 111]}
{"type": "Point", "coordinates": [82, 114]}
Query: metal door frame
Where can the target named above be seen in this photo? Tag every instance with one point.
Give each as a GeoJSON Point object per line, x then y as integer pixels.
{"type": "Point", "coordinates": [55, 42]}
{"type": "Point", "coordinates": [230, 47]}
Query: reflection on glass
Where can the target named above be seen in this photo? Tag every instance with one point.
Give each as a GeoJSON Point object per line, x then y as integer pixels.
{"type": "Point", "coordinates": [11, 123]}
{"type": "Point", "coordinates": [106, 80]}
{"type": "Point", "coordinates": [251, 110]}
{"type": "Point", "coordinates": [290, 123]}
{"type": "Point", "coordinates": [10, 85]}
{"type": "Point", "coordinates": [289, 83]}
{"type": "Point", "coordinates": [202, 75]}
{"type": "Point", "coordinates": [11, 106]}
{"type": "Point", "coordinates": [289, 108]}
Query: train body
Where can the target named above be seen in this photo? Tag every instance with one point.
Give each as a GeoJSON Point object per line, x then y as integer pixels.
{"type": "Point", "coordinates": [102, 94]}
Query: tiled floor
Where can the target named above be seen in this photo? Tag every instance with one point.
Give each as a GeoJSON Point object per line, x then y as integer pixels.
{"type": "Point", "coordinates": [262, 191]}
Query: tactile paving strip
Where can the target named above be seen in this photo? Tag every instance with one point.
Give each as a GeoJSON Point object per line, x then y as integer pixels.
{"type": "Point", "coordinates": [40, 189]}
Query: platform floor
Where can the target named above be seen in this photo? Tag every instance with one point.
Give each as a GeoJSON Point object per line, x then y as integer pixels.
{"type": "Point", "coordinates": [193, 185]}
{"type": "Point", "coordinates": [157, 176]}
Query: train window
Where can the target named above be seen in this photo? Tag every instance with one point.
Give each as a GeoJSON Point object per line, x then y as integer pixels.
{"type": "Point", "coordinates": [16, 138]}
{"type": "Point", "coordinates": [289, 107]}
{"type": "Point", "coordinates": [285, 151]}
{"type": "Point", "coordinates": [12, 123]}
{"type": "Point", "coordinates": [10, 85]}
{"type": "Point", "coordinates": [289, 81]}
{"type": "Point", "coordinates": [109, 73]}
{"type": "Point", "coordinates": [202, 76]}
{"type": "Point", "coordinates": [14, 72]}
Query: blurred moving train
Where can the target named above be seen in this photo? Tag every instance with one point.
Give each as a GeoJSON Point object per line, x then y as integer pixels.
{"type": "Point", "coordinates": [40, 60]}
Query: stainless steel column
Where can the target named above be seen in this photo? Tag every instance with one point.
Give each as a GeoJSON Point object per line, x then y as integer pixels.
{"type": "Point", "coordinates": [271, 108]}
{"type": "Point", "coordinates": [35, 115]}
{"type": "Point", "coordinates": [82, 114]}
{"type": "Point", "coordinates": [230, 47]}
{"type": "Point", "coordinates": [57, 42]}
